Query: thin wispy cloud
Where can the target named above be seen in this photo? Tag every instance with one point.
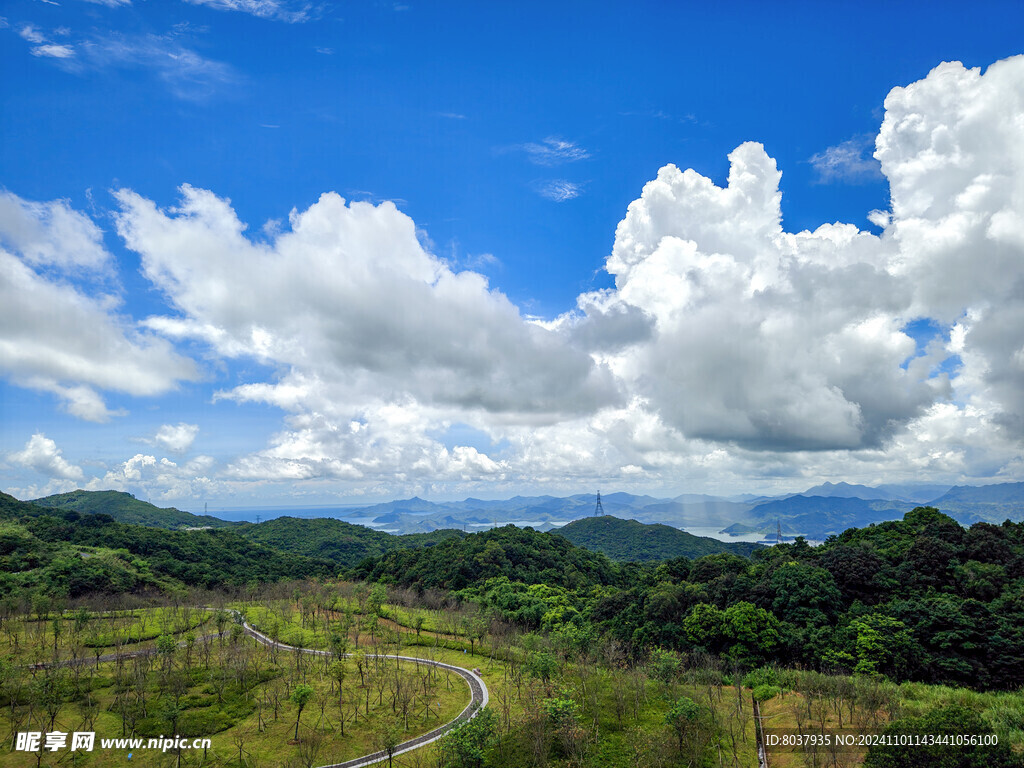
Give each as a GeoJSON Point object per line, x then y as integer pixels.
{"type": "Point", "coordinates": [851, 162]}
{"type": "Point", "coordinates": [554, 151]}
{"type": "Point", "coordinates": [559, 190]}
{"type": "Point", "coordinates": [276, 10]}
{"type": "Point", "coordinates": [110, 3]}
{"type": "Point", "coordinates": [41, 45]}
{"type": "Point", "coordinates": [188, 28]}
{"type": "Point", "coordinates": [660, 114]}
{"type": "Point", "coordinates": [452, 115]}
{"type": "Point", "coordinates": [54, 51]}
{"type": "Point", "coordinates": [458, 260]}
{"type": "Point", "coordinates": [480, 261]}
{"type": "Point", "coordinates": [187, 73]}
{"type": "Point", "coordinates": [368, 196]}
{"type": "Point", "coordinates": [30, 33]}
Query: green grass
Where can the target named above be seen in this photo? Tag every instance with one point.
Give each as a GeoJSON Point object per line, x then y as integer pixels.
{"type": "Point", "coordinates": [214, 701]}
{"type": "Point", "coordinates": [433, 621]}
{"type": "Point", "coordinates": [32, 640]}
{"type": "Point", "coordinates": [140, 625]}
{"type": "Point", "coordinates": [1003, 710]}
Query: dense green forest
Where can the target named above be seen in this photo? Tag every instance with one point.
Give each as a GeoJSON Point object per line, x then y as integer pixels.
{"type": "Point", "coordinates": [335, 540]}
{"type": "Point", "coordinates": [631, 541]}
{"type": "Point", "coordinates": [67, 554]}
{"type": "Point", "coordinates": [917, 599]}
{"type": "Point", "coordinates": [518, 554]}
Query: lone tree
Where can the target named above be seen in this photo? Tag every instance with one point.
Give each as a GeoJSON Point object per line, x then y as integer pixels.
{"type": "Point", "coordinates": [682, 717]}
{"type": "Point", "coordinates": [387, 736]}
{"type": "Point", "coordinates": [301, 695]}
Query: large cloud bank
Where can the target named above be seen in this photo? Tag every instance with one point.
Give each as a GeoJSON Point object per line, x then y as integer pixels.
{"type": "Point", "coordinates": [66, 339]}
{"type": "Point", "coordinates": [728, 348]}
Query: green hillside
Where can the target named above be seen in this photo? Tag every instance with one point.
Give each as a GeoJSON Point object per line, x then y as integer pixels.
{"type": "Point", "coordinates": [630, 541]}
{"type": "Point", "coordinates": [65, 553]}
{"type": "Point", "coordinates": [518, 554]}
{"type": "Point", "coordinates": [125, 508]}
{"type": "Point", "coordinates": [11, 507]}
{"type": "Point", "coordinates": [329, 539]}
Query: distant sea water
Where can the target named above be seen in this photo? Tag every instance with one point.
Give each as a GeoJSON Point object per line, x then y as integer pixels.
{"type": "Point", "coordinates": [713, 533]}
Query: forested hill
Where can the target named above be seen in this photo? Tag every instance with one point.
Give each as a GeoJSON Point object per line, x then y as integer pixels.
{"type": "Point", "coordinates": [519, 554]}
{"type": "Point", "coordinates": [125, 508]}
{"type": "Point", "coordinates": [11, 507]}
{"type": "Point", "coordinates": [629, 540]}
{"type": "Point", "coordinates": [336, 540]}
{"type": "Point", "coordinates": [919, 598]}
{"type": "Point", "coordinates": [64, 553]}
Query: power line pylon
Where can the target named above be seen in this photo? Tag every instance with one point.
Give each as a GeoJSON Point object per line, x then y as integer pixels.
{"type": "Point", "coordinates": [598, 510]}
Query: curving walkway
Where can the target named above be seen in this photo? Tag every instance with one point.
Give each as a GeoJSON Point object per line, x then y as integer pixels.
{"type": "Point", "coordinates": [479, 696]}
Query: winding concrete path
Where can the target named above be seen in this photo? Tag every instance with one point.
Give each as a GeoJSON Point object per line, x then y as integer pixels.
{"type": "Point", "coordinates": [479, 696]}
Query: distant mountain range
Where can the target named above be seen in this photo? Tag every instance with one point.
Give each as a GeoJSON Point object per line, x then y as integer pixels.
{"type": "Point", "coordinates": [816, 513]}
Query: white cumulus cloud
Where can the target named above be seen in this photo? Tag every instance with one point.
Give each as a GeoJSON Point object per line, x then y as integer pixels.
{"type": "Point", "coordinates": [761, 337]}
{"type": "Point", "coordinates": [161, 479]}
{"type": "Point", "coordinates": [42, 454]}
{"type": "Point", "coordinates": [50, 233]}
{"type": "Point", "coordinates": [177, 438]}
{"type": "Point", "coordinates": [777, 343]}
{"type": "Point", "coordinates": [950, 147]}
{"type": "Point", "coordinates": [362, 326]}
{"type": "Point", "coordinates": [350, 299]}
{"type": "Point", "coordinates": [728, 349]}
{"type": "Point", "coordinates": [61, 338]}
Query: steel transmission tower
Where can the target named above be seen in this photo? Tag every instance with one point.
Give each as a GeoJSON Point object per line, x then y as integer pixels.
{"type": "Point", "coordinates": [598, 510]}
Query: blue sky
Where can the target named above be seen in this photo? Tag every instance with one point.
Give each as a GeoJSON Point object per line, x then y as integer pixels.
{"type": "Point", "coordinates": [497, 323]}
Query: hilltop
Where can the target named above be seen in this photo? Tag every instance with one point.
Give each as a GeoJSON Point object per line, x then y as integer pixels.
{"type": "Point", "coordinates": [62, 552]}
{"type": "Point", "coordinates": [629, 540]}
{"type": "Point", "coordinates": [125, 508]}
{"type": "Point", "coordinates": [326, 538]}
